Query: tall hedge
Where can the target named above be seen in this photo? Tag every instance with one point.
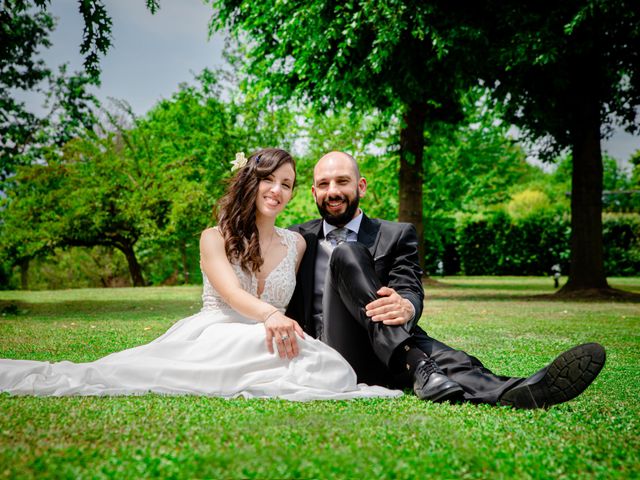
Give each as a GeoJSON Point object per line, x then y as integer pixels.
{"type": "Point", "coordinates": [621, 232]}
{"type": "Point", "coordinates": [497, 244]}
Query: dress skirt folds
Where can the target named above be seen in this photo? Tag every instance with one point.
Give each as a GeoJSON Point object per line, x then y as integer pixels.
{"type": "Point", "coordinates": [216, 352]}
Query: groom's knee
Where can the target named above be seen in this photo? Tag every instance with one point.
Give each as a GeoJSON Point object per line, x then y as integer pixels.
{"type": "Point", "coordinates": [349, 257]}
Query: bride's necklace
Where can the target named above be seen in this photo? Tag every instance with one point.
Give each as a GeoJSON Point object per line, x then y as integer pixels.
{"type": "Point", "coordinates": [261, 277]}
{"type": "Point", "coordinates": [263, 252]}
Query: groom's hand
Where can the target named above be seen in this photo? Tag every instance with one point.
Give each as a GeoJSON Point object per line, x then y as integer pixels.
{"type": "Point", "coordinates": [391, 308]}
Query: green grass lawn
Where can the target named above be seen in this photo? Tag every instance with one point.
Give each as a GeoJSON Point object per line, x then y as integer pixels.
{"type": "Point", "coordinates": [496, 319]}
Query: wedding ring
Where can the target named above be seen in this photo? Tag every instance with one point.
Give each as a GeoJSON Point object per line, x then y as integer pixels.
{"type": "Point", "coordinates": [284, 337]}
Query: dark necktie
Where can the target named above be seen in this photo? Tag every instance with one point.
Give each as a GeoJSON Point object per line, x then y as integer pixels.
{"type": "Point", "coordinates": [339, 235]}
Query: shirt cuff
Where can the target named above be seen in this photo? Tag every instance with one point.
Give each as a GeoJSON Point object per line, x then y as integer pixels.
{"type": "Point", "coordinates": [413, 314]}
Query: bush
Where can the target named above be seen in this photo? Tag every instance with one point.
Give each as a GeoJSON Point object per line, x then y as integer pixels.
{"type": "Point", "coordinates": [495, 243]}
{"type": "Point", "coordinates": [166, 261]}
{"type": "Point", "coordinates": [477, 238]}
{"type": "Point", "coordinates": [77, 267]}
{"type": "Point", "coordinates": [7, 281]}
{"type": "Point", "coordinates": [498, 244]}
{"type": "Point", "coordinates": [528, 203]}
{"type": "Point", "coordinates": [621, 235]}
{"type": "Point", "coordinates": [441, 255]}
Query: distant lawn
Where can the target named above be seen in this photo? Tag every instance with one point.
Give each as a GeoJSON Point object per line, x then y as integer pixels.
{"type": "Point", "coordinates": [494, 318]}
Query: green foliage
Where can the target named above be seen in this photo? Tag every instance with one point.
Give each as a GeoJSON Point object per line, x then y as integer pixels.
{"type": "Point", "coordinates": [24, 136]}
{"type": "Point", "coordinates": [473, 164]}
{"type": "Point", "coordinates": [527, 203]}
{"type": "Point", "coordinates": [105, 189]}
{"type": "Point", "coordinates": [495, 243]}
{"type": "Point", "coordinates": [386, 56]}
{"type": "Point", "coordinates": [26, 140]}
{"type": "Point", "coordinates": [441, 254]}
{"type": "Point", "coordinates": [635, 173]}
{"type": "Point", "coordinates": [566, 73]}
{"type": "Point", "coordinates": [530, 232]}
{"type": "Point", "coordinates": [559, 65]}
{"type": "Point", "coordinates": [196, 127]}
{"type": "Point", "coordinates": [77, 267]}
{"type": "Point", "coordinates": [96, 35]}
{"type": "Point", "coordinates": [146, 186]}
{"type": "Point", "coordinates": [621, 234]}
{"type": "Point", "coordinates": [365, 54]}
{"type": "Point", "coordinates": [619, 194]}
{"type": "Point", "coordinates": [22, 33]}
{"type": "Point", "coordinates": [201, 437]}
{"type": "Point", "coordinates": [469, 168]}
{"type": "Point", "coordinates": [501, 245]}
{"type": "Point", "coordinates": [6, 278]}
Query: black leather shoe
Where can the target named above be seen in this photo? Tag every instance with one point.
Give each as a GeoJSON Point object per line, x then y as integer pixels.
{"type": "Point", "coordinates": [430, 383]}
{"type": "Point", "coordinates": [562, 380]}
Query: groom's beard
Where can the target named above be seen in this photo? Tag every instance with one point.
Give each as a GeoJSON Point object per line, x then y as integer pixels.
{"type": "Point", "coordinates": [341, 219]}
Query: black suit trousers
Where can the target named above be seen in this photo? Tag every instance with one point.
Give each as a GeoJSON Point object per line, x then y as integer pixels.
{"type": "Point", "coordinates": [352, 283]}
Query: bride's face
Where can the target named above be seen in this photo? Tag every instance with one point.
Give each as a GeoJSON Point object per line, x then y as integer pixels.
{"type": "Point", "coordinates": [274, 192]}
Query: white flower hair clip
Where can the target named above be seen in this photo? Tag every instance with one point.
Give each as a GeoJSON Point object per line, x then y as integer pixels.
{"type": "Point", "coordinates": [239, 162]}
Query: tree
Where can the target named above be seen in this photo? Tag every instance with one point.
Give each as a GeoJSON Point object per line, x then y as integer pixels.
{"type": "Point", "coordinates": [635, 173]}
{"type": "Point", "coordinates": [24, 137]}
{"type": "Point", "coordinates": [22, 33]}
{"type": "Point", "coordinates": [109, 188]}
{"type": "Point", "coordinates": [475, 164]}
{"type": "Point", "coordinates": [86, 197]}
{"type": "Point", "coordinates": [566, 72]}
{"type": "Point", "coordinates": [70, 110]}
{"type": "Point", "coordinates": [381, 55]}
{"type": "Point", "coordinates": [25, 26]}
{"type": "Point", "coordinates": [469, 168]}
{"type": "Point", "coordinates": [145, 186]}
{"type": "Point", "coordinates": [198, 127]}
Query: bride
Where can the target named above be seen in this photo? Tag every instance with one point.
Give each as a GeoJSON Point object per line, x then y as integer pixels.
{"type": "Point", "coordinates": [240, 343]}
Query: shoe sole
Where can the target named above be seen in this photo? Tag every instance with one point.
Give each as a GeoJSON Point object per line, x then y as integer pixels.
{"type": "Point", "coordinates": [567, 377]}
{"type": "Point", "coordinates": [451, 395]}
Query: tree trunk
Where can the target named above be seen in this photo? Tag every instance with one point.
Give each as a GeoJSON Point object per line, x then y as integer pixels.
{"type": "Point", "coordinates": [134, 267]}
{"type": "Point", "coordinates": [587, 257]}
{"type": "Point", "coordinates": [411, 156]}
{"type": "Point", "coordinates": [24, 274]}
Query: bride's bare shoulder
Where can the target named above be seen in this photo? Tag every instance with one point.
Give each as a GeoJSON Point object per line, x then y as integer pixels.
{"type": "Point", "coordinates": [211, 231]}
{"type": "Point", "coordinates": [211, 238]}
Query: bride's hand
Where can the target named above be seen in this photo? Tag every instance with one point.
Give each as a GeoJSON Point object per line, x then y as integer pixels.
{"type": "Point", "coordinates": [283, 329]}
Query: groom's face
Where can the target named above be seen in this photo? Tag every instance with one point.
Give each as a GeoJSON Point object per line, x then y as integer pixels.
{"type": "Point", "coordinates": [337, 188]}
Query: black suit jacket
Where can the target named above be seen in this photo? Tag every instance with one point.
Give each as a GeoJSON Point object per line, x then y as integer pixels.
{"type": "Point", "coordinates": [394, 247]}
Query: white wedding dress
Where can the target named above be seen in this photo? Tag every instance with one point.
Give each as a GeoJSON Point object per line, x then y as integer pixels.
{"type": "Point", "coordinates": [216, 352]}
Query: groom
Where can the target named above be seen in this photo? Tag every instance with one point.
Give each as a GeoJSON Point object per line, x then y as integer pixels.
{"type": "Point", "coordinates": [359, 290]}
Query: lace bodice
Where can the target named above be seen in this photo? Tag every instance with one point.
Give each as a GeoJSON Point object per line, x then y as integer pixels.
{"type": "Point", "coordinates": [279, 284]}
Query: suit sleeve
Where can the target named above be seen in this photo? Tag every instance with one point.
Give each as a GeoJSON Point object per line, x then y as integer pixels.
{"type": "Point", "coordinates": [405, 276]}
{"type": "Point", "coordinates": [295, 309]}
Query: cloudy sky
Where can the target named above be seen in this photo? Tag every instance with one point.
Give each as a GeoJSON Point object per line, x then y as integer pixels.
{"type": "Point", "coordinates": [152, 54]}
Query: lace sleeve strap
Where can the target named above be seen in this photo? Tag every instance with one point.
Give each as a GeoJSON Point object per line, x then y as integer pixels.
{"type": "Point", "coordinates": [291, 241]}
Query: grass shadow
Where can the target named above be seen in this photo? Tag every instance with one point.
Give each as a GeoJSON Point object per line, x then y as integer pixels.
{"type": "Point", "coordinates": [509, 286]}
{"type": "Point", "coordinates": [16, 308]}
{"type": "Point", "coordinates": [542, 297]}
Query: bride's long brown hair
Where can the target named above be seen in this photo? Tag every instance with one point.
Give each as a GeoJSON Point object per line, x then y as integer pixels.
{"type": "Point", "coordinates": [236, 212]}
